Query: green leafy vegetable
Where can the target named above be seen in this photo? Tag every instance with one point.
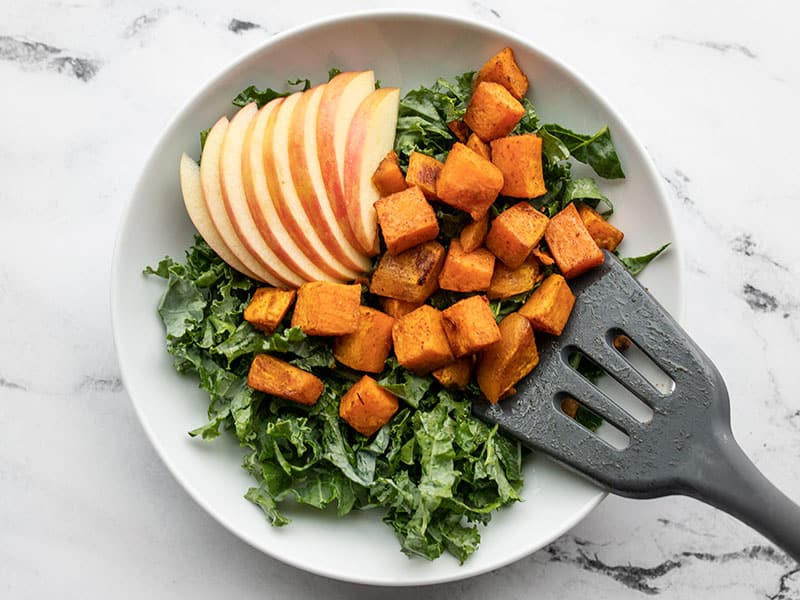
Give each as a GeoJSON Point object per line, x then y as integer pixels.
{"type": "Point", "coordinates": [596, 150]}
{"type": "Point", "coordinates": [261, 97]}
{"type": "Point", "coordinates": [636, 264]}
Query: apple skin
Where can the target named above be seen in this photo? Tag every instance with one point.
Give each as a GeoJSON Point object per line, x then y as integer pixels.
{"type": "Point", "coordinates": [369, 139]}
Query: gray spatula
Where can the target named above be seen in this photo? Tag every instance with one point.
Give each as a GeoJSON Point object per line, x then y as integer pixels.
{"type": "Point", "coordinates": [686, 448]}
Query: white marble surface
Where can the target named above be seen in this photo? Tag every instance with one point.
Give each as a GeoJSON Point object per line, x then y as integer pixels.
{"type": "Point", "coordinates": [87, 510]}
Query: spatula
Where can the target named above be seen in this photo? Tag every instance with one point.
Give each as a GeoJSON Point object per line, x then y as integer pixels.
{"type": "Point", "coordinates": [686, 448]}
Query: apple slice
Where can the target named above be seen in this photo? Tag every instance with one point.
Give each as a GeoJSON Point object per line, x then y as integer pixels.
{"type": "Point", "coordinates": [310, 185]}
{"type": "Point", "coordinates": [369, 140]}
{"type": "Point", "coordinates": [340, 100]}
{"type": "Point", "coordinates": [215, 203]}
{"type": "Point", "coordinates": [284, 195]}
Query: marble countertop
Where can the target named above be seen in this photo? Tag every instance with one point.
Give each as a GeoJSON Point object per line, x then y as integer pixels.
{"type": "Point", "coordinates": [87, 509]}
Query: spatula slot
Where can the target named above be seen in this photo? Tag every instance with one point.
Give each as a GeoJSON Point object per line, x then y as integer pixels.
{"type": "Point", "coordinates": [641, 361]}
{"type": "Point", "coordinates": [592, 422]}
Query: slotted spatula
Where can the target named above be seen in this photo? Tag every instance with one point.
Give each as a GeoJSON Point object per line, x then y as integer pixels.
{"type": "Point", "coordinates": [687, 448]}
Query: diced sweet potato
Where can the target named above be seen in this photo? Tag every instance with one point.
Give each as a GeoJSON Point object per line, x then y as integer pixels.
{"type": "Point", "coordinates": [367, 407]}
{"type": "Point", "coordinates": [470, 326]}
{"type": "Point", "coordinates": [468, 181]}
{"type": "Point", "coordinates": [502, 68]}
{"type": "Point", "coordinates": [492, 111]}
{"type": "Point", "coordinates": [504, 363]}
{"type": "Point", "coordinates": [397, 308]}
{"type": "Point", "coordinates": [412, 275]}
{"type": "Point", "coordinates": [267, 308]}
{"type": "Point", "coordinates": [388, 177]}
{"type": "Point", "coordinates": [515, 232]}
{"type": "Point", "coordinates": [550, 305]}
{"type": "Point", "coordinates": [519, 158]}
{"type": "Point", "coordinates": [459, 129]}
{"type": "Point", "coordinates": [325, 308]}
{"type": "Point", "coordinates": [572, 247]}
{"type": "Point", "coordinates": [473, 234]}
{"type": "Point", "coordinates": [604, 234]}
{"type": "Point", "coordinates": [477, 145]}
{"type": "Point", "coordinates": [420, 342]}
{"type": "Point", "coordinates": [466, 271]}
{"type": "Point", "coordinates": [544, 258]}
{"type": "Point", "coordinates": [368, 347]}
{"type": "Point", "coordinates": [278, 378]}
{"type": "Point", "coordinates": [455, 375]}
{"type": "Point", "coordinates": [424, 171]}
{"type": "Point", "coordinates": [569, 406]}
{"type": "Point", "coordinates": [406, 220]}
{"type": "Point", "coordinates": [508, 282]}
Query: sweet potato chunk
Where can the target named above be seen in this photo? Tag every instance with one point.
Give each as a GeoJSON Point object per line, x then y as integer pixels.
{"type": "Point", "coordinates": [570, 406]}
{"type": "Point", "coordinates": [468, 181]}
{"type": "Point", "coordinates": [519, 158]}
{"type": "Point", "coordinates": [388, 177]}
{"type": "Point", "coordinates": [543, 257]}
{"type": "Point", "coordinates": [397, 308]}
{"type": "Point", "coordinates": [476, 144]}
{"type": "Point", "coordinates": [267, 308]}
{"type": "Point", "coordinates": [406, 220]}
{"type": "Point", "coordinates": [473, 234]}
{"type": "Point", "coordinates": [466, 271]}
{"type": "Point", "coordinates": [550, 305]}
{"type": "Point", "coordinates": [459, 129]}
{"type": "Point", "coordinates": [507, 282]}
{"type": "Point", "coordinates": [424, 171]}
{"type": "Point", "coordinates": [492, 111]}
{"type": "Point", "coordinates": [504, 363]}
{"type": "Point", "coordinates": [455, 375]}
{"type": "Point", "coordinates": [278, 378]}
{"type": "Point", "coordinates": [368, 347]}
{"type": "Point", "coordinates": [411, 276]}
{"type": "Point", "coordinates": [325, 308]}
{"type": "Point", "coordinates": [515, 232]}
{"type": "Point", "coordinates": [573, 249]}
{"type": "Point", "coordinates": [367, 407]}
{"type": "Point", "coordinates": [420, 342]}
{"type": "Point", "coordinates": [470, 325]}
{"type": "Point", "coordinates": [502, 68]}
{"type": "Point", "coordinates": [604, 234]}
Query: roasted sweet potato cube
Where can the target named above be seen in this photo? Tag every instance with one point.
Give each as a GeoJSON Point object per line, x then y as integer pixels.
{"type": "Point", "coordinates": [420, 342]}
{"type": "Point", "coordinates": [470, 325]}
{"type": "Point", "coordinates": [406, 220]}
{"type": "Point", "coordinates": [397, 308]}
{"type": "Point", "coordinates": [604, 234]}
{"type": "Point", "coordinates": [515, 232]}
{"type": "Point", "coordinates": [412, 275]}
{"type": "Point", "coordinates": [473, 234]}
{"type": "Point", "coordinates": [544, 258]}
{"type": "Point", "coordinates": [519, 158]}
{"type": "Point", "coordinates": [572, 247]}
{"type": "Point", "coordinates": [507, 282]}
{"type": "Point", "coordinates": [424, 171]}
{"type": "Point", "coordinates": [325, 308]}
{"type": "Point", "coordinates": [466, 271]}
{"type": "Point", "coordinates": [476, 144]}
{"type": "Point", "coordinates": [504, 363]}
{"type": "Point", "coordinates": [388, 177]}
{"type": "Point", "coordinates": [368, 347]}
{"type": "Point", "coordinates": [492, 111]}
{"type": "Point", "coordinates": [459, 129]}
{"type": "Point", "coordinates": [455, 375]}
{"type": "Point", "coordinates": [278, 378]}
{"type": "Point", "coordinates": [502, 68]}
{"type": "Point", "coordinates": [267, 308]}
{"type": "Point", "coordinates": [550, 305]}
{"type": "Point", "coordinates": [569, 406]}
{"type": "Point", "coordinates": [468, 181]}
{"type": "Point", "coordinates": [367, 407]}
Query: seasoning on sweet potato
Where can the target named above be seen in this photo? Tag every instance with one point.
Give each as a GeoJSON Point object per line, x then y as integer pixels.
{"type": "Point", "coordinates": [502, 68]}
{"type": "Point", "coordinates": [367, 407]}
{"type": "Point", "coordinates": [456, 375]}
{"type": "Point", "coordinates": [326, 309]}
{"type": "Point", "coordinates": [470, 325]}
{"type": "Point", "coordinates": [473, 234]}
{"type": "Point", "coordinates": [412, 275]}
{"type": "Point", "coordinates": [466, 271]}
{"type": "Point", "coordinates": [515, 232]}
{"type": "Point", "coordinates": [406, 220]}
{"type": "Point", "coordinates": [507, 282]}
{"type": "Point", "coordinates": [388, 177]}
{"type": "Point", "coordinates": [572, 247]}
{"type": "Point", "coordinates": [492, 111]}
{"type": "Point", "coordinates": [397, 308]}
{"type": "Point", "coordinates": [519, 158]}
{"type": "Point", "coordinates": [424, 171]}
{"type": "Point", "coordinates": [468, 181]}
{"type": "Point", "coordinates": [368, 347]}
{"type": "Point", "coordinates": [459, 129]}
{"type": "Point", "coordinates": [267, 308]}
{"type": "Point", "coordinates": [550, 305]}
{"type": "Point", "coordinates": [278, 378]}
{"type": "Point", "coordinates": [420, 342]}
{"type": "Point", "coordinates": [544, 257]}
{"type": "Point", "coordinates": [504, 363]}
{"type": "Point", "coordinates": [476, 144]}
{"type": "Point", "coordinates": [604, 234]}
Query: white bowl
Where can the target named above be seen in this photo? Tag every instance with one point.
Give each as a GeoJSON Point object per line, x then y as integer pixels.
{"type": "Point", "coordinates": [405, 50]}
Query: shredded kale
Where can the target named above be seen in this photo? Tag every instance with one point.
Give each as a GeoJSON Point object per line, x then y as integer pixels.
{"type": "Point", "coordinates": [636, 264]}
{"type": "Point", "coordinates": [261, 97]}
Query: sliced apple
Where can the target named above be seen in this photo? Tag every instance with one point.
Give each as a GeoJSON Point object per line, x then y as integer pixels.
{"type": "Point", "coordinates": [310, 185]}
{"type": "Point", "coordinates": [370, 138]}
